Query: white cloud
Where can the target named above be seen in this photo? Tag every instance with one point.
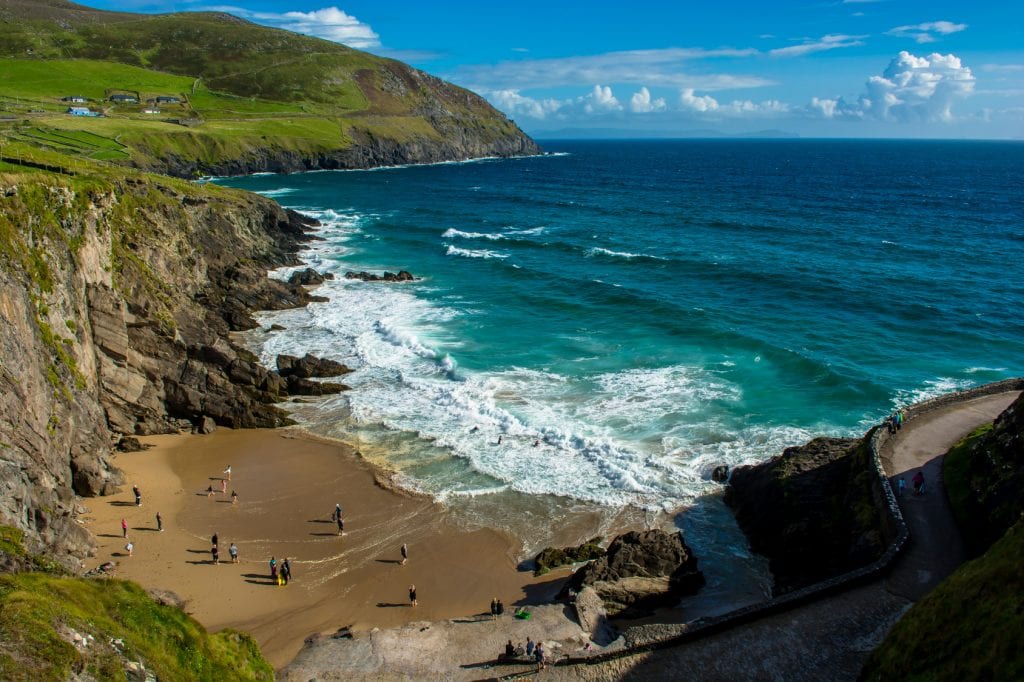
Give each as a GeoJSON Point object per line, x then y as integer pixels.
{"type": "Point", "coordinates": [911, 89]}
{"type": "Point", "coordinates": [600, 100]}
{"type": "Point", "coordinates": [690, 102]}
{"type": "Point", "coordinates": [641, 102]}
{"type": "Point", "coordinates": [514, 104]}
{"type": "Point", "coordinates": [329, 23]}
{"type": "Point", "coordinates": [651, 68]}
{"type": "Point", "coordinates": [828, 42]}
{"type": "Point", "coordinates": [927, 32]}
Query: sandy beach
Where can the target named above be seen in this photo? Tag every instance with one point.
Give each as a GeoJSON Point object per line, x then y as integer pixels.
{"type": "Point", "coordinates": [287, 488]}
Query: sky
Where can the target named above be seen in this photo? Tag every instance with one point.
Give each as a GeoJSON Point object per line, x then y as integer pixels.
{"type": "Point", "coordinates": [815, 68]}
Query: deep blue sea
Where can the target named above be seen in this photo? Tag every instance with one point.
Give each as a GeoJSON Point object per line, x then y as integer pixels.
{"type": "Point", "coordinates": [624, 316]}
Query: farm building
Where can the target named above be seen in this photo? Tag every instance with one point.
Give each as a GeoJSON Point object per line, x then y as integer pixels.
{"type": "Point", "coordinates": [167, 99]}
{"type": "Point", "coordinates": [82, 111]}
{"type": "Point", "coordinates": [124, 99]}
{"type": "Point", "coordinates": [74, 99]}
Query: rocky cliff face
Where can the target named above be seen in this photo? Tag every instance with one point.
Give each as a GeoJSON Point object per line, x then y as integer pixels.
{"type": "Point", "coordinates": [117, 296]}
{"type": "Point", "coordinates": [813, 510]}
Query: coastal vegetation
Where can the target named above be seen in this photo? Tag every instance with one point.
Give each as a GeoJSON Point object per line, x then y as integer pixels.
{"type": "Point", "coordinates": [213, 93]}
{"type": "Point", "coordinates": [53, 626]}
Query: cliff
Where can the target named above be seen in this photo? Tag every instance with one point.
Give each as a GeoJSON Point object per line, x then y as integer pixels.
{"type": "Point", "coordinates": [117, 292]}
{"type": "Point", "coordinates": [813, 510]}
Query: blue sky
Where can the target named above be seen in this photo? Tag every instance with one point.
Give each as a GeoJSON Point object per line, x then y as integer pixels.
{"type": "Point", "coordinates": [835, 68]}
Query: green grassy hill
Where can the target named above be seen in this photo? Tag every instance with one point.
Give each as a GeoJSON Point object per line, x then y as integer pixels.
{"type": "Point", "coordinates": [53, 626]}
{"type": "Point", "coordinates": [253, 98]}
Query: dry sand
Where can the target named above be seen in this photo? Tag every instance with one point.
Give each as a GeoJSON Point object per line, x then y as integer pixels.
{"type": "Point", "coordinates": [287, 487]}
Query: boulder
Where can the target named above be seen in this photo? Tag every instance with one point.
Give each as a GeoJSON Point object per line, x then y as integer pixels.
{"type": "Point", "coordinates": [309, 277]}
{"type": "Point", "coordinates": [401, 276]}
{"type": "Point", "coordinates": [642, 570]}
{"type": "Point", "coordinates": [205, 425]}
{"type": "Point", "coordinates": [309, 366]}
{"type": "Point", "coordinates": [593, 617]}
{"type": "Point", "coordinates": [720, 474]}
{"type": "Point", "coordinates": [300, 386]}
{"type": "Point", "coordinates": [553, 557]}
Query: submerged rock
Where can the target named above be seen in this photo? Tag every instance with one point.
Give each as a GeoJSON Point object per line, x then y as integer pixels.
{"type": "Point", "coordinates": [402, 276]}
{"type": "Point", "coordinates": [309, 277]}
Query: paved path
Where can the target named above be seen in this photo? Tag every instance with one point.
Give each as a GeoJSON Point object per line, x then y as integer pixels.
{"type": "Point", "coordinates": [830, 639]}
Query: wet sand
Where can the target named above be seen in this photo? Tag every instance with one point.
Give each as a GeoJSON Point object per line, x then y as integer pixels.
{"type": "Point", "coordinates": [287, 487]}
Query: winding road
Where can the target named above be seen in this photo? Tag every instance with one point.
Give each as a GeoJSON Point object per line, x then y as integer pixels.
{"type": "Point", "coordinates": [830, 639]}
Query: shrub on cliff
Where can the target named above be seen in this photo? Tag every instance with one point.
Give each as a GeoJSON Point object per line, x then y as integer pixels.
{"type": "Point", "coordinates": [54, 627]}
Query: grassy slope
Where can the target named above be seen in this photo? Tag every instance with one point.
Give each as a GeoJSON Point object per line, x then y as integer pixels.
{"type": "Point", "coordinates": [970, 628]}
{"type": "Point", "coordinates": [40, 611]}
{"type": "Point", "coordinates": [255, 87]}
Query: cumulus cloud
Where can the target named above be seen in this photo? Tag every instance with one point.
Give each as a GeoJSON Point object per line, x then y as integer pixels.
{"type": "Point", "coordinates": [515, 104]}
{"type": "Point", "coordinates": [690, 102]}
{"type": "Point", "coordinates": [911, 89]}
{"type": "Point", "coordinates": [642, 103]}
{"type": "Point", "coordinates": [828, 42]}
{"type": "Point", "coordinates": [927, 32]}
{"type": "Point", "coordinates": [651, 68]}
{"type": "Point", "coordinates": [600, 100]}
{"type": "Point", "coordinates": [329, 23]}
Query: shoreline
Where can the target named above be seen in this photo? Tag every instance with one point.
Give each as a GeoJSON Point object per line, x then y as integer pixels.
{"type": "Point", "coordinates": [353, 581]}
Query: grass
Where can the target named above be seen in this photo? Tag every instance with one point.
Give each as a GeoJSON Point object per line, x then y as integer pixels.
{"type": "Point", "coordinates": [38, 612]}
{"type": "Point", "coordinates": [969, 628]}
{"type": "Point", "coordinates": [956, 474]}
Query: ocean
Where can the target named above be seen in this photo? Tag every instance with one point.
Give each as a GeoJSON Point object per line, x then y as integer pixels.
{"type": "Point", "coordinates": [594, 330]}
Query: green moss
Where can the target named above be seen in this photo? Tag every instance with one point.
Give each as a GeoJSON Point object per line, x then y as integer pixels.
{"type": "Point", "coordinates": [172, 645]}
{"type": "Point", "coordinates": [10, 541]}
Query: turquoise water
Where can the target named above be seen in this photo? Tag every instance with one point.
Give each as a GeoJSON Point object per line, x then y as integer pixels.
{"type": "Point", "coordinates": [624, 316]}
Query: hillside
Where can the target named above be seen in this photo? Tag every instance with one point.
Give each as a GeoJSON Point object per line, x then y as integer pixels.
{"type": "Point", "coordinates": [236, 97]}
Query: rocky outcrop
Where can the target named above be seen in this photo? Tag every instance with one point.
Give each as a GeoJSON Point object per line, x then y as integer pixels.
{"type": "Point", "coordinates": [641, 571]}
{"type": "Point", "coordinates": [814, 510]}
{"type": "Point", "coordinates": [553, 557]}
{"type": "Point", "coordinates": [309, 366]}
{"type": "Point", "coordinates": [593, 616]}
{"type": "Point", "coordinates": [401, 276]}
{"type": "Point", "coordinates": [117, 296]}
{"type": "Point", "coordinates": [309, 277]}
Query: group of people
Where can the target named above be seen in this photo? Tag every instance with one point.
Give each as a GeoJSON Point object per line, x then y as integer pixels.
{"type": "Point", "coordinates": [917, 481]}
{"type": "Point", "coordinates": [129, 546]}
{"type": "Point", "coordinates": [497, 608]}
{"type": "Point", "coordinates": [895, 420]}
{"type": "Point", "coordinates": [531, 650]}
{"type": "Point", "coordinates": [280, 574]}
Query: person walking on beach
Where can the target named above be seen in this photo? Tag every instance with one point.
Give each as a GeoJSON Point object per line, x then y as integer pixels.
{"type": "Point", "coordinates": [234, 497]}
{"type": "Point", "coordinates": [215, 555]}
{"type": "Point", "coordinates": [209, 490]}
{"type": "Point", "coordinates": [412, 596]}
{"type": "Point", "coordinates": [233, 551]}
{"type": "Point", "coordinates": [124, 527]}
{"type": "Point", "coordinates": [213, 540]}
{"type": "Point", "coordinates": [159, 522]}
{"type": "Point", "coordinates": [405, 553]}
{"type": "Point", "coordinates": [129, 548]}
{"type": "Point", "coordinates": [138, 496]}
{"type": "Point", "coordinates": [286, 571]}
{"type": "Point", "coordinates": [494, 608]}
{"type": "Point", "coordinates": [273, 569]}
{"type": "Point", "coordinates": [224, 486]}
{"type": "Point", "coordinates": [538, 655]}
{"type": "Point", "coordinates": [500, 609]}
{"type": "Point", "coordinates": [227, 472]}
{"type": "Point", "coordinates": [341, 525]}
{"type": "Point", "coordinates": [529, 646]}
{"type": "Point", "coordinates": [336, 514]}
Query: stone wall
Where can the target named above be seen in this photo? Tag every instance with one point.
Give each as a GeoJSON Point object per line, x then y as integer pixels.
{"type": "Point", "coordinates": [878, 436]}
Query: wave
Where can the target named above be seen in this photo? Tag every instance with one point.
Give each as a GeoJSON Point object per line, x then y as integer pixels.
{"type": "Point", "coordinates": [474, 253]}
{"type": "Point", "coordinates": [279, 192]}
{"type": "Point", "coordinates": [452, 233]}
{"type": "Point", "coordinates": [932, 388]}
{"type": "Point", "coordinates": [599, 251]}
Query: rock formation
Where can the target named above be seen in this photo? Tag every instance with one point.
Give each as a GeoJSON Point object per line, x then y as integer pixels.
{"type": "Point", "coordinates": [402, 276]}
{"type": "Point", "coordinates": [814, 510]}
{"type": "Point", "coordinates": [642, 570]}
{"type": "Point", "coordinates": [553, 557]}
